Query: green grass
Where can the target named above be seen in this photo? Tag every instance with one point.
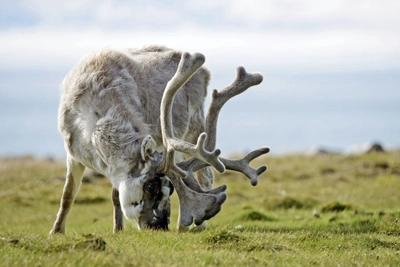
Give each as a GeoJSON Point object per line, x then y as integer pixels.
{"type": "Point", "coordinates": [325, 210]}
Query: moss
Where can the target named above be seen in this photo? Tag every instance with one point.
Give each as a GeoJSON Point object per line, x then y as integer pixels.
{"type": "Point", "coordinates": [255, 216]}
{"type": "Point", "coordinates": [90, 242]}
{"type": "Point", "coordinates": [222, 237]}
{"type": "Point", "coordinates": [291, 203]}
{"type": "Point", "coordinates": [336, 206]}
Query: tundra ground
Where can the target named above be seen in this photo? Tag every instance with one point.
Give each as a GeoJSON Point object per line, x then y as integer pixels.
{"type": "Point", "coordinates": [326, 210]}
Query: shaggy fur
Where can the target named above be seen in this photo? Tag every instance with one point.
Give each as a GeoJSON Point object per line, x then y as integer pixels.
{"type": "Point", "coordinates": [109, 119]}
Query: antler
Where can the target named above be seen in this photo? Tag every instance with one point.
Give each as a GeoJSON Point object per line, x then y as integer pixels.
{"type": "Point", "coordinates": [186, 68]}
{"type": "Point", "coordinates": [243, 165]}
{"type": "Point", "coordinates": [194, 206]}
{"type": "Point", "coordinates": [242, 82]}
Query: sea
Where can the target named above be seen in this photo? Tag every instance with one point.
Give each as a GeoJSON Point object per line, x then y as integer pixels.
{"type": "Point", "coordinates": [290, 113]}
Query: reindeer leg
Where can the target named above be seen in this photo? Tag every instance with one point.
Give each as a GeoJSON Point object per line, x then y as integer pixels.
{"type": "Point", "coordinates": [118, 215]}
{"type": "Point", "coordinates": [73, 181]}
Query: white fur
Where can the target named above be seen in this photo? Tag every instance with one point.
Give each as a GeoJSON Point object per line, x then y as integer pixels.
{"type": "Point", "coordinates": [130, 197]}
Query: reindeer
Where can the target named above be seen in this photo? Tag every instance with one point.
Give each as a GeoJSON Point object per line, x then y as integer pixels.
{"type": "Point", "coordinates": [120, 108]}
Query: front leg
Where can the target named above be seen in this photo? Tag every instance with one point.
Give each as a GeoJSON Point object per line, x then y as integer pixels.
{"type": "Point", "coordinates": [118, 215]}
{"type": "Point", "coordinates": [73, 181]}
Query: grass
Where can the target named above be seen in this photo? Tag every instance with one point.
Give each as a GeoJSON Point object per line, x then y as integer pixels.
{"type": "Point", "coordinates": [326, 210]}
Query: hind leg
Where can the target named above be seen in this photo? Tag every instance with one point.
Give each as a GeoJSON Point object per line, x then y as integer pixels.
{"type": "Point", "coordinates": [73, 181]}
{"type": "Point", "coordinates": [118, 215]}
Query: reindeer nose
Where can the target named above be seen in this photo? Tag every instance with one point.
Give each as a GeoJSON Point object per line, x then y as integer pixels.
{"type": "Point", "coordinates": [160, 220]}
{"type": "Point", "coordinates": [156, 220]}
{"type": "Point", "coordinates": [161, 215]}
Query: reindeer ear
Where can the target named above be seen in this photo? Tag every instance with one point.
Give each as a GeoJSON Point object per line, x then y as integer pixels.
{"type": "Point", "coordinates": [148, 147]}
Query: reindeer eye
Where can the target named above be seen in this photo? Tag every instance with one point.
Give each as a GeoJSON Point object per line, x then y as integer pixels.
{"type": "Point", "coordinates": [135, 203]}
{"type": "Point", "coordinates": [152, 188]}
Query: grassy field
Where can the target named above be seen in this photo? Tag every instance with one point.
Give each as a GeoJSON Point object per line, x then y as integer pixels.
{"type": "Point", "coordinates": [328, 210]}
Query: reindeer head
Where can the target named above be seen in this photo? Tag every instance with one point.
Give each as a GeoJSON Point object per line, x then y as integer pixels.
{"type": "Point", "coordinates": [144, 196]}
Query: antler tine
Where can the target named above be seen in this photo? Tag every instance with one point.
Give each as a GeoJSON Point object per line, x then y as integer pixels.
{"type": "Point", "coordinates": [186, 68]}
{"type": "Point", "coordinates": [242, 82]}
{"type": "Point", "coordinates": [243, 165]}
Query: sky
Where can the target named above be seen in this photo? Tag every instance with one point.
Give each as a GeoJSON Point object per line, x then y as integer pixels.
{"type": "Point", "coordinates": [310, 52]}
{"type": "Point", "coordinates": [276, 35]}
